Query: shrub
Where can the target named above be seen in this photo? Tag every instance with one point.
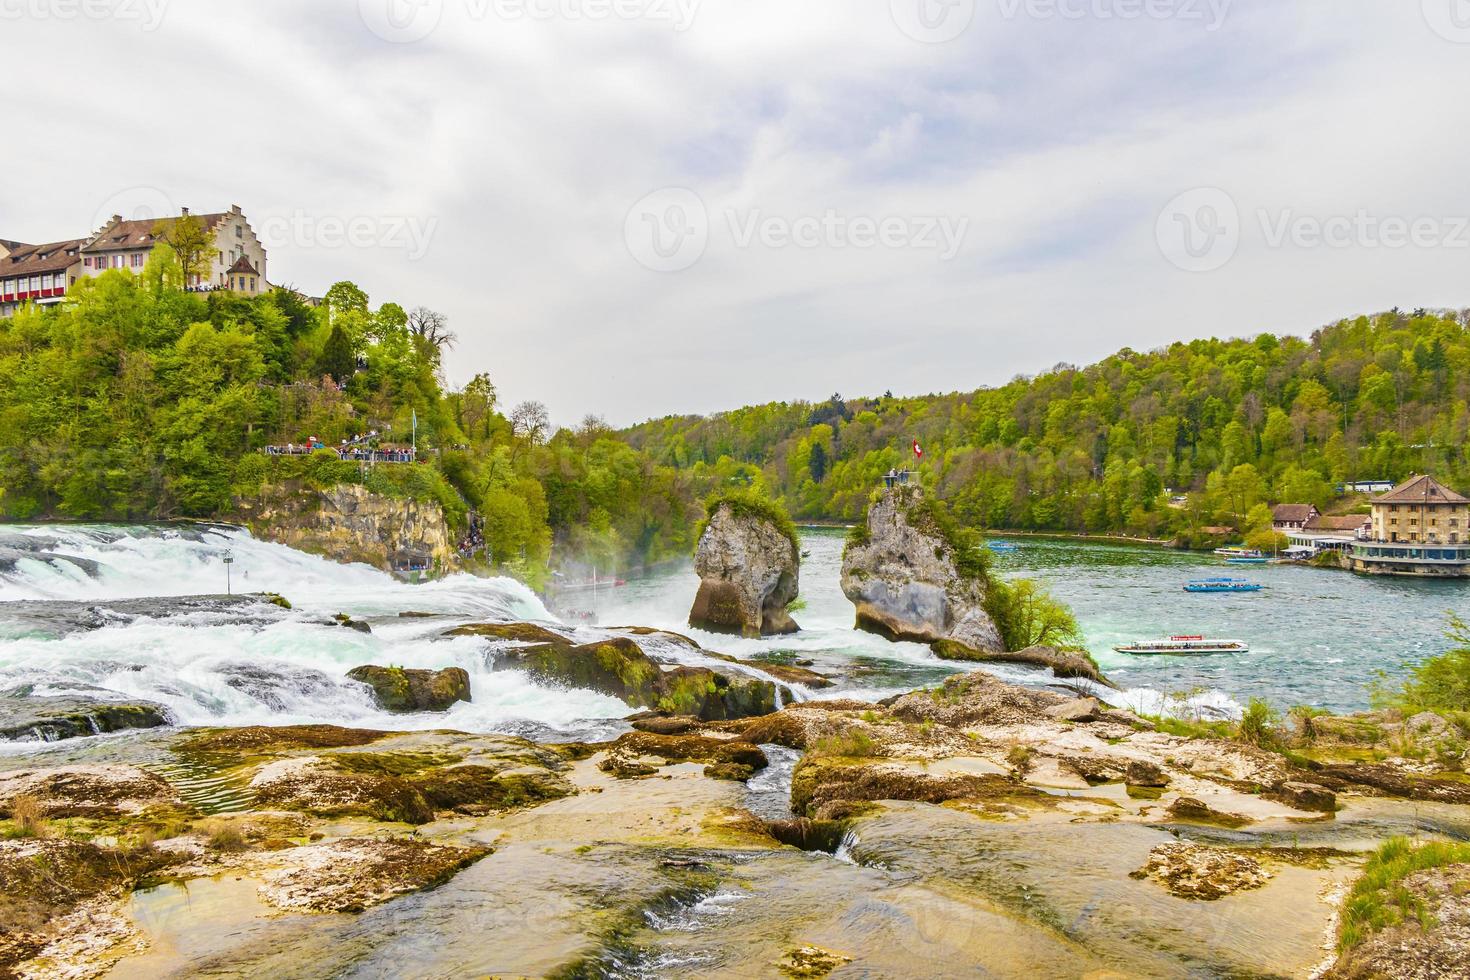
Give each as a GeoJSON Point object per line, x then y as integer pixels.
{"type": "Point", "coordinates": [1027, 615]}
{"type": "Point", "coordinates": [1257, 726]}
{"type": "Point", "coordinates": [750, 503]}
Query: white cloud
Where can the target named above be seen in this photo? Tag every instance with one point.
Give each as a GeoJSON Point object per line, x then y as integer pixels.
{"type": "Point", "coordinates": [526, 142]}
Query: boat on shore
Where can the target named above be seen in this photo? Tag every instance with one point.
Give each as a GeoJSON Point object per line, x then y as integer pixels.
{"type": "Point", "coordinates": [1215, 585]}
{"type": "Point", "coordinates": [1182, 646]}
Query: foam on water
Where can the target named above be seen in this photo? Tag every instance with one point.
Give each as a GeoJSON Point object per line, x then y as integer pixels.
{"type": "Point", "coordinates": [283, 667]}
{"type": "Point", "coordinates": [276, 666]}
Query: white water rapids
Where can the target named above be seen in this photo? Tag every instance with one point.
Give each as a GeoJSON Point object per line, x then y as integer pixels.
{"type": "Point", "coordinates": [231, 666]}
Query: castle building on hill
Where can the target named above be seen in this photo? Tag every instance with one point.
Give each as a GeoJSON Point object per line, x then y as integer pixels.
{"type": "Point", "coordinates": [43, 274]}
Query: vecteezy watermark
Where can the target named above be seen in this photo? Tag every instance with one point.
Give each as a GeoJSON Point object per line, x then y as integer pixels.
{"type": "Point", "coordinates": [148, 14]}
{"type": "Point", "coordinates": [412, 234]}
{"type": "Point", "coordinates": [1210, 13]}
{"type": "Point", "coordinates": [407, 21]}
{"type": "Point", "coordinates": [933, 21]}
{"type": "Point", "coordinates": [670, 230]}
{"type": "Point", "coordinates": [1363, 229]}
{"type": "Point", "coordinates": [834, 230]}
{"type": "Point", "coordinates": [1199, 231]}
{"type": "Point", "coordinates": [1450, 19]}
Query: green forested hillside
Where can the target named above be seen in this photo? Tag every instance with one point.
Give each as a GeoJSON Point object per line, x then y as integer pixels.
{"type": "Point", "coordinates": [1233, 423]}
{"type": "Point", "coordinates": [137, 400]}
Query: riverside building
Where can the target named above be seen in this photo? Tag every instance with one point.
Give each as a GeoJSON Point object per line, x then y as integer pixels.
{"type": "Point", "coordinates": [1420, 527]}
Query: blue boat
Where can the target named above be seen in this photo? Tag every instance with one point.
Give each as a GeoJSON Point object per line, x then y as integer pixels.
{"type": "Point", "coordinates": [1247, 561]}
{"type": "Point", "coordinates": [1222, 585]}
{"type": "Point", "coordinates": [1002, 547]}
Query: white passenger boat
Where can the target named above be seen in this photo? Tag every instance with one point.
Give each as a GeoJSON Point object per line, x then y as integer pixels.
{"type": "Point", "coordinates": [1183, 645]}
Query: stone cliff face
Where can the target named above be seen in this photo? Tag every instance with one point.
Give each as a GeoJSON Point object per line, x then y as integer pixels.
{"type": "Point", "coordinates": [349, 524]}
{"type": "Point", "coordinates": [907, 584]}
{"type": "Point", "coordinates": [749, 571]}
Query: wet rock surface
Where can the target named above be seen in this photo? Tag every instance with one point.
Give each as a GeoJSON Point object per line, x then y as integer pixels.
{"type": "Point", "coordinates": [957, 815]}
{"type": "Point", "coordinates": [749, 571]}
{"type": "Point", "coordinates": [619, 667]}
{"type": "Point", "coordinates": [404, 691]}
{"type": "Point", "coordinates": [1203, 873]}
{"type": "Point", "coordinates": [50, 719]}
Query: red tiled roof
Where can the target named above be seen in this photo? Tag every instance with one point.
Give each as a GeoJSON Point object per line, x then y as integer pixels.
{"type": "Point", "coordinates": [242, 264]}
{"type": "Point", "coordinates": [1292, 513]}
{"type": "Point", "coordinates": [31, 260]}
{"type": "Point", "coordinates": [1421, 490]}
{"type": "Point", "coordinates": [138, 233]}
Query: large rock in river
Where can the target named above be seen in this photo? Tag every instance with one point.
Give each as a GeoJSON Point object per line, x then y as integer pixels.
{"type": "Point", "coordinates": [404, 691]}
{"type": "Point", "coordinates": [911, 581]}
{"type": "Point", "coordinates": [618, 667]}
{"type": "Point", "coordinates": [749, 566]}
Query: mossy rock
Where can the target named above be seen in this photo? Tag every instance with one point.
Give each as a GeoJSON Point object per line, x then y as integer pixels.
{"type": "Point", "coordinates": [263, 739]}
{"type": "Point", "coordinates": [512, 632]}
{"type": "Point", "coordinates": [477, 790]}
{"type": "Point", "coordinates": [692, 748]}
{"type": "Point", "coordinates": [618, 667]}
{"type": "Point", "coordinates": [404, 691]}
{"type": "Point", "coordinates": [50, 719]}
{"type": "Point", "coordinates": [820, 783]}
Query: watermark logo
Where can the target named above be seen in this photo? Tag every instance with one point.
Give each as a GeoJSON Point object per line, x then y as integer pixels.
{"type": "Point", "coordinates": [407, 21]}
{"type": "Point", "coordinates": [1363, 229]}
{"type": "Point", "coordinates": [147, 14]}
{"type": "Point", "coordinates": [668, 230]}
{"type": "Point", "coordinates": [411, 234]}
{"type": "Point", "coordinates": [1210, 13]}
{"type": "Point", "coordinates": [933, 21]}
{"type": "Point", "coordinates": [834, 230]}
{"type": "Point", "coordinates": [1450, 19]}
{"type": "Point", "coordinates": [1199, 231]}
{"type": "Point", "coordinates": [401, 21]}
{"type": "Point", "coordinates": [141, 203]}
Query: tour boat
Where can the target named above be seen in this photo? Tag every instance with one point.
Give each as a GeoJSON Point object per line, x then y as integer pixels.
{"type": "Point", "coordinates": [1263, 560]}
{"type": "Point", "coordinates": [1180, 645]}
{"type": "Point", "coordinates": [1239, 553]}
{"type": "Point", "coordinates": [1222, 585]}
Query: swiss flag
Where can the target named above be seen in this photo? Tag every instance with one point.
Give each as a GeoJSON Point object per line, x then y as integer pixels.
{"type": "Point", "coordinates": [918, 450]}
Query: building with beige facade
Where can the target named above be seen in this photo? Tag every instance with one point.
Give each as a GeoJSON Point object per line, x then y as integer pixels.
{"type": "Point", "coordinates": [1420, 527]}
{"type": "Point", "coordinates": [43, 274]}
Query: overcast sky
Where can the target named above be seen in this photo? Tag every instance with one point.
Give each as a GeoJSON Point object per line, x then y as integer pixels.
{"type": "Point", "coordinates": [646, 207]}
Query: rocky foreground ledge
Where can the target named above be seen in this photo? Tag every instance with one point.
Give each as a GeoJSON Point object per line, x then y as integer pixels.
{"type": "Point", "coordinates": [984, 826]}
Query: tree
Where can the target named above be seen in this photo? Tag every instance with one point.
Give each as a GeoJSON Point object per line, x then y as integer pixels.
{"type": "Point", "coordinates": [337, 358]}
{"type": "Point", "coordinates": [529, 421]}
{"type": "Point", "coordinates": [192, 244]}
{"type": "Point", "coordinates": [431, 327]}
{"type": "Point", "coordinates": [345, 297]}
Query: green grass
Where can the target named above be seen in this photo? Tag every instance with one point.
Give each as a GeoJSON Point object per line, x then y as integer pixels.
{"type": "Point", "coordinates": [851, 744]}
{"type": "Point", "coordinates": [1379, 899]}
